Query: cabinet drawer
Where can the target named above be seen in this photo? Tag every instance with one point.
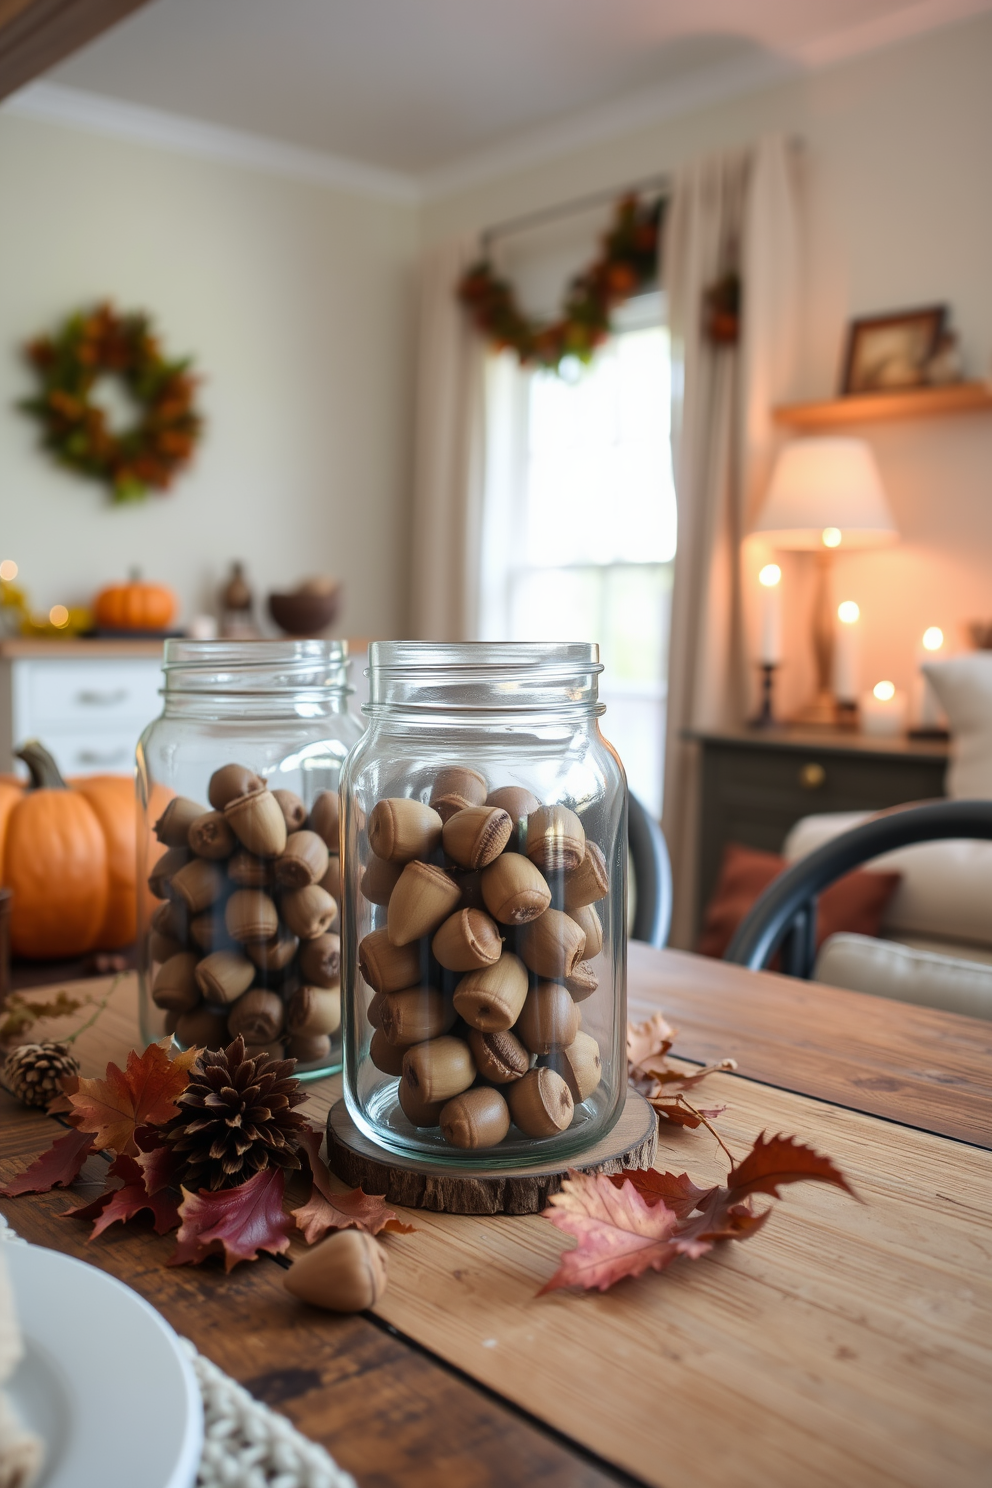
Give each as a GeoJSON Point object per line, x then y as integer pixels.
{"type": "Point", "coordinates": [85, 694]}
{"type": "Point", "coordinates": [98, 752]}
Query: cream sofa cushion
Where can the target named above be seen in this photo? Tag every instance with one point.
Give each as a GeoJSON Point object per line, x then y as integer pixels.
{"type": "Point", "coordinates": [964, 687]}
{"type": "Point", "coordinates": [887, 969]}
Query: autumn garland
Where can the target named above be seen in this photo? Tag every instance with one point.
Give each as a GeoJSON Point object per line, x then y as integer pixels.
{"type": "Point", "coordinates": [90, 345]}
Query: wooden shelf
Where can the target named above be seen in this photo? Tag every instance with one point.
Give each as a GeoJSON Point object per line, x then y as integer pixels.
{"type": "Point", "coordinates": [958, 397]}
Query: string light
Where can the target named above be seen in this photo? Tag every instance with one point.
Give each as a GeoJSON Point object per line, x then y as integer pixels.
{"type": "Point", "coordinates": [8, 570]}
{"type": "Point", "coordinates": [848, 612]}
{"type": "Point", "coordinates": [770, 575]}
{"type": "Point", "coordinates": [933, 638]}
{"type": "Point", "coordinates": [59, 615]}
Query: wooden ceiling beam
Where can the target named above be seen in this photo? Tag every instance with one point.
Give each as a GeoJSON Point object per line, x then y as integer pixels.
{"type": "Point", "coordinates": [37, 34]}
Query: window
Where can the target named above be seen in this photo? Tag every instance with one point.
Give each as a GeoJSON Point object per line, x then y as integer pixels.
{"type": "Point", "coordinates": [580, 525]}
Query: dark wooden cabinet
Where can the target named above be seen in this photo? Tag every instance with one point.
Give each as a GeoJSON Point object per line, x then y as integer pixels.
{"type": "Point", "coordinates": [755, 785]}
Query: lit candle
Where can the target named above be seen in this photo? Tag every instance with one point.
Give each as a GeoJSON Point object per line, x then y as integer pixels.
{"type": "Point", "coordinates": [847, 648]}
{"type": "Point", "coordinates": [771, 614]}
{"type": "Point", "coordinates": [926, 709]}
{"type": "Point", "coordinates": [883, 710]}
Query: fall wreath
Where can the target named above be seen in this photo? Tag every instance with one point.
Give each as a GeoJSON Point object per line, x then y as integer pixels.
{"type": "Point", "coordinates": [627, 262]}
{"type": "Point", "coordinates": [75, 428]}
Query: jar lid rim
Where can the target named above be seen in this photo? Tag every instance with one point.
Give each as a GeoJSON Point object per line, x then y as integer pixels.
{"type": "Point", "coordinates": [184, 653]}
{"type": "Point", "coordinates": [484, 656]}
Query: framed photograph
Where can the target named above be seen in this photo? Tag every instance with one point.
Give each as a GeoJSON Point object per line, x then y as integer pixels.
{"type": "Point", "coordinates": [887, 352]}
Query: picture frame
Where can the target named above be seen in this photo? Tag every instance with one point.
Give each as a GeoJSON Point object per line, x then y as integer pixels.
{"type": "Point", "coordinates": [888, 353]}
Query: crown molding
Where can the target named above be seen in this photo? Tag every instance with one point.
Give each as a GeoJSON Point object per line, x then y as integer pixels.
{"type": "Point", "coordinates": [885, 31]}
{"type": "Point", "coordinates": [55, 104]}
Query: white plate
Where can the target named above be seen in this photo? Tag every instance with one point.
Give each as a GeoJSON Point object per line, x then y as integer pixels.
{"type": "Point", "coordinates": [104, 1380]}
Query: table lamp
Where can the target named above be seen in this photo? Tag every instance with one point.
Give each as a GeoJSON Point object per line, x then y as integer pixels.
{"type": "Point", "coordinates": [825, 494]}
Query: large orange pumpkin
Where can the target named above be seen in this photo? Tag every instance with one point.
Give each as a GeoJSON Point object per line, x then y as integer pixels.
{"type": "Point", "coordinates": [134, 606]}
{"type": "Point", "coordinates": [67, 852]}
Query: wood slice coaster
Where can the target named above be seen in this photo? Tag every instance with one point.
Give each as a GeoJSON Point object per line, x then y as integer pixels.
{"type": "Point", "coordinates": [632, 1143]}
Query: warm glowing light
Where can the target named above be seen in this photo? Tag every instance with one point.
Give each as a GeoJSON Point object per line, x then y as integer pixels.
{"type": "Point", "coordinates": [848, 612]}
{"type": "Point", "coordinates": [831, 537]}
{"type": "Point", "coordinates": [58, 615]}
{"type": "Point", "coordinates": [770, 575]}
{"type": "Point", "coordinates": [884, 691]}
{"type": "Point", "coordinates": [8, 569]}
{"type": "Point", "coordinates": [933, 637]}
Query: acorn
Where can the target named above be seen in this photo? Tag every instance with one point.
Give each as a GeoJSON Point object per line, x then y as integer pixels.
{"type": "Point", "coordinates": [423, 897]}
{"type": "Point", "coordinates": [439, 1069]}
{"type": "Point", "coordinates": [161, 947]}
{"type": "Point", "coordinates": [467, 940]}
{"type": "Point", "coordinates": [309, 1048]}
{"type": "Point", "coordinates": [292, 808]}
{"type": "Point", "coordinates": [330, 880]}
{"type": "Point", "coordinates": [583, 981]}
{"type": "Point", "coordinates": [249, 872]}
{"type": "Point", "coordinates": [314, 1010]}
{"type": "Point", "coordinates": [476, 835]}
{"type": "Point", "coordinates": [257, 1016]}
{"type": "Point", "coordinates": [416, 1014]}
{"type": "Point", "coordinates": [589, 882]}
{"type": "Point", "coordinates": [170, 918]}
{"type": "Point", "coordinates": [455, 788]}
{"type": "Point", "coordinates": [549, 1018]}
{"type": "Point", "coordinates": [165, 868]}
{"type": "Point", "coordinates": [417, 1111]}
{"type": "Point", "coordinates": [551, 945]}
{"type": "Point", "coordinates": [250, 915]}
{"type": "Point", "coordinates": [387, 968]}
{"type": "Point", "coordinates": [379, 880]}
{"type": "Point", "coordinates": [555, 839]}
{"type": "Point", "coordinates": [231, 781]}
{"type": "Point", "coordinates": [344, 1273]}
{"type": "Point", "coordinates": [517, 802]}
{"type": "Point", "coordinates": [198, 884]}
{"type": "Point", "coordinates": [224, 975]}
{"type": "Point", "coordinates": [374, 1010]}
{"type": "Point", "coordinates": [589, 922]}
{"type": "Point", "coordinates": [499, 1057]}
{"type": "Point", "coordinates": [202, 1028]}
{"type": "Point", "coordinates": [580, 1065]}
{"type": "Point", "coordinates": [308, 912]}
{"type": "Point", "coordinates": [491, 999]}
{"type": "Point", "coordinates": [175, 988]}
{"type": "Point", "coordinates": [274, 954]}
{"type": "Point", "coordinates": [271, 1048]}
{"type": "Point", "coordinates": [325, 819]}
{"type": "Point", "coordinates": [211, 837]}
{"type": "Point", "coordinates": [541, 1103]}
{"type": "Point", "coordinates": [173, 825]}
{"type": "Point", "coordinates": [476, 1118]}
{"type": "Point", "coordinates": [303, 861]}
{"type": "Point", "coordinates": [257, 822]}
{"type": "Point", "coordinates": [320, 960]}
{"type": "Point", "coordinates": [514, 889]}
{"type": "Point", "coordinates": [208, 931]}
{"type": "Point", "coordinates": [401, 829]}
{"type": "Point", "coordinates": [385, 1056]}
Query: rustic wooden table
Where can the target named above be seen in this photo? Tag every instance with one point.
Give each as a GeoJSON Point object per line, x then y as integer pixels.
{"type": "Point", "coordinates": [848, 1343]}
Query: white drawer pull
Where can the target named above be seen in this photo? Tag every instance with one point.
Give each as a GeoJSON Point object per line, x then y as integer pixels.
{"type": "Point", "coordinates": [93, 757]}
{"type": "Point", "coordinates": [93, 699]}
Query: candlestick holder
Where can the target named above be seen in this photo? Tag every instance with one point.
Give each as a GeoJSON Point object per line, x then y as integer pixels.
{"type": "Point", "coordinates": [765, 716]}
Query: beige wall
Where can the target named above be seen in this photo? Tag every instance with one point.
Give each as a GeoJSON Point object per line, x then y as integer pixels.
{"type": "Point", "coordinates": [899, 212]}
{"type": "Point", "coordinates": [294, 299]}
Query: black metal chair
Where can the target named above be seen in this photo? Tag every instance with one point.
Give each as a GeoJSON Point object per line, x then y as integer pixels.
{"type": "Point", "coordinates": [652, 876]}
{"type": "Point", "coordinates": [784, 918]}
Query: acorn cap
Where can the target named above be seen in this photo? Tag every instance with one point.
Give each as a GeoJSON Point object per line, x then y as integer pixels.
{"type": "Point", "coordinates": [476, 835]}
{"type": "Point", "coordinates": [499, 1057]}
{"type": "Point", "coordinates": [589, 882]}
{"type": "Point", "coordinates": [555, 839]}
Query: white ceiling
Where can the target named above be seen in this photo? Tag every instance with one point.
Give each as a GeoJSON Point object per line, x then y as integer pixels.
{"type": "Point", "coordinates": [427, 86]}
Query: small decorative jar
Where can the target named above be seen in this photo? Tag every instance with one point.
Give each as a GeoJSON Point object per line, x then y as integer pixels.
{"type": "Point", "coordinates": [484, 841]}
{"type": "Point", "coordinates": [238, 848]}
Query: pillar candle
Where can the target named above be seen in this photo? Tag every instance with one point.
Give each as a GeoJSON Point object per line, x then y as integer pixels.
{"type": "Point", "coordinates": [927, 712]}
{"type": "Point", "coordinates": [884, 710]}
{"type": "Point", "coordinates": [771, 614]}
{"type": "Point", "coordinates": [847, 652]}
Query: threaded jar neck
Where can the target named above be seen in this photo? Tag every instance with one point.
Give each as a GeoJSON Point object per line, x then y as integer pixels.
{"type": "Point", "coordinates": [418, 678]}
{"type": "Point", "coordinates": [306, 677]}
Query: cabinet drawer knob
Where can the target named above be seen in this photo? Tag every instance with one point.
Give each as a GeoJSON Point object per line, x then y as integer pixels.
{"type": "Point", "coordinates": [90, 698]}
{"type": "Point", "coordinates": [812, 776]}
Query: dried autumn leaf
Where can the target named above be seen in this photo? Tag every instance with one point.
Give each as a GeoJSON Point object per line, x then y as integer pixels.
{"type": "Point", "coordinates": [677, 1190]}
{"type": "Point", "coordinates": [645, 1040]}
{"type": "Point", "coordinates": [781, 1160]}
{"type": "Point", "coordinates": [142, 1095]}
{"type": "Point", "coordinates": [61, 1105]}
{"type": "Point", "coordinates": [118, 1205]}
{"type": "Point", "coordinates": [326, 1210]}
{"type": "Point", "coordinates": [158, 1160]}
{"type": "Point", "coordinates": [239, 1222]}
{"type": "Point", "coordinates": [618, 1233]}
{"type": "Point", "coordinates": [56, 1168]}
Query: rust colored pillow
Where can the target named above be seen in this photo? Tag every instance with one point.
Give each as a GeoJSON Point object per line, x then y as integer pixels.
{"type": "Point", "coordinates": [855, 902]}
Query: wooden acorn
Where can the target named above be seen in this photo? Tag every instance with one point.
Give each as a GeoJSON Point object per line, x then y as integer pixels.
{"type": "Point", "coordinates": [202, 1028]}
{"type": "Point", "coordinates": [164, 870]}
{"type": "Point", "coordinates": [249, 872]}
{"type": "Point", "coordinates": [325, 819]}
{"type": "Point", "coordinates": [320, 960]}
{"type": "Point", "coordinates": [250, 915]}
{"type": "Point", "coordinates": [170, 918]}
{"type": "Point", "coordinates": [211, 837]}
{"type": "Point", "coordinates": [583, 981]}
{"type": "Point", "coordinates": [476, 1118]}
{"type": "Point", "coordinates": [174, 988]}
{"type": "Point", "coordinates": [173, 825]}
{"type": "Point", "coordinates": [476, 835]}
{"type": "Point", "coordinates": [344, 1273]}
{"type": "Point", "coordinates": [467, 940]}
{"type": "Point", "coordinates": [385, 1056]}
{"type": "Point", "coordinates": [551, 945]}
{"type": "Point", "coordinates": [314, 1010]}
{"type": "Point", "coordinates": [417, 1111]}
{"type": "Point", "coordinates": [374, 1010]}
{"type": "Point", "coordinates": [231, 781]}
{"type": "Point", "coordinates": [401, 829]}
{"type": "Point", "coordinates": [514, 889]}
{"type": "Point", "coordinates": [274, 954]}
{"type": "Point", "coordinates": [555, 839]}
{"type": "Point", "coordinates": [580, 1065]}
{"type": "Point", "coordinates": [590, 924]}
{"type": "Point", "coordinates": [470, 885]}
{"type": "Point", "coordinates": [589, 881]}
{"type": "Point", "coordinates": [162, 947]}
{"type": "Point", "coordinates": [257, 822]}
{"type": "Point", "coordinates": [541, 1103]}
{"type": "Point", "coordinates": [331, 879]}
{"type": "Point", "coordinates": [439, 1069]}
{"type": "Point", "coordinates": [292, 808]}
{"type": "Point", "coordinates": [303, 861]}
{"type": "Point", "coordinates": [379, 880]}
{"type": "Point", "coordinates": [257, 1016]}
{"type": "Point", "coordinates": [198, 884]}
{"type": "Point", "coordinates": [549, 1018]}
{"type": "Point", "coordinates": [517, 802]}
{"type": "Point", "coordinates": [224, 975]}
{"type": "Point", "coordinates": [415, 1014]}
{"type": "Point", "coordinates": [388, 968]}
{"type": "Point", "coordinates": [455, 788]}
{"type": "Point", "coordinates": [499, 1057]}
{"type": "Point", "coordinates": [208, 931]}
{"type": "Point", "coordinates": [308, 912]}
{"type": "Point", "coordinates": [491, 999]}
{"type": "Point", "coordinates": [309, 1048]}
{"type": "Point", "coordinates": [424, 896]}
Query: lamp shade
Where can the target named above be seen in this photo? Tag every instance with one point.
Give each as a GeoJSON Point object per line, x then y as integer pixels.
{"type": "Point", "coordinates": [826, 493]}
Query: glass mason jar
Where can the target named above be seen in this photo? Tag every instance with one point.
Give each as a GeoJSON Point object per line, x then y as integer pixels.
{"type": "Point", "coordinates": [484, 841]}
{"type": "Point", "coordinates": [238, 845]}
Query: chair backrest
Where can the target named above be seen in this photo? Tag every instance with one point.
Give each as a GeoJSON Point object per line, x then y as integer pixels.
{"type": "Point", "coordinates": [652, 875]}
{"type": "Point", "coordinates": [785, 915]}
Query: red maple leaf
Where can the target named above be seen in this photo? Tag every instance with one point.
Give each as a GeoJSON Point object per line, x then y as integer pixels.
{"type": "Point", "coordinates": [327, 1210]}
{"type": "Point", "coordinates": [618, 1233]}
{"type": "Point", "coordinates": [56, 1168]}
{"type": "Point", "coordinates": [677, 1190]}
{"type": "Point", "coordinates": [239, 1222]}
{"type": "Point", "coordinates": [158, 1160]}
{"type": "Point", "coordinates": [779, 1160]}
{"type": "Point", "coordinates": [118, 1205]}
{"type": "Point", "coordinates": [143, 1094]}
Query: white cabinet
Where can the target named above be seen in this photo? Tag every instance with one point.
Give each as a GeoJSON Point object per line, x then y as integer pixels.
{"type": "Point", "coordinates": [88, 702]}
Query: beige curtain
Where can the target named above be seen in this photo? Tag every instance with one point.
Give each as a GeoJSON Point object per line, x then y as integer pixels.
{"type": "Point", "coordinates": [448, 452]}
{"type": "Point", "coordinates": [731, 211]}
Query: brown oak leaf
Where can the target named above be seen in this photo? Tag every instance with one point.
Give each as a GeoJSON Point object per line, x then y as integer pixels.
{"type": "Point", "coordinates": [238, 1222]}
{"type": "Point", "coordinates": [143, 1094]}
{"type": "Point", "coordinates": [646, 1040]}
{"type": "Point", "coordinates": [118, 1205]}
{"type": "Point", "coordinates": [327, 1210]}
{"type": "Point", "coordinates": [619, 1234]}
{"type": "Point", "coordinates": [56, 1168]}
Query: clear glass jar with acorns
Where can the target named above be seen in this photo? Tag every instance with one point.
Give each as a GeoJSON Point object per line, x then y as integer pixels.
{"type": "Point", "coordinates": [484, 842]}
{"type": "Point", "coordinates": [239, 848]}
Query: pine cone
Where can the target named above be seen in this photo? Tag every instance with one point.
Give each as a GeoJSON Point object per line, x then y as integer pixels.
{"type": "Point", "coordinates": [236, 1118]}
{"type": "Point", "coordinates": [34, 1072]}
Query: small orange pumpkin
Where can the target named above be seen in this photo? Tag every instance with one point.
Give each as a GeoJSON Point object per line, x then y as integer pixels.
{"type": "Point", "coordinates": [67, 852]}
{"type": "Point", "coordinates": [135, 605]}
